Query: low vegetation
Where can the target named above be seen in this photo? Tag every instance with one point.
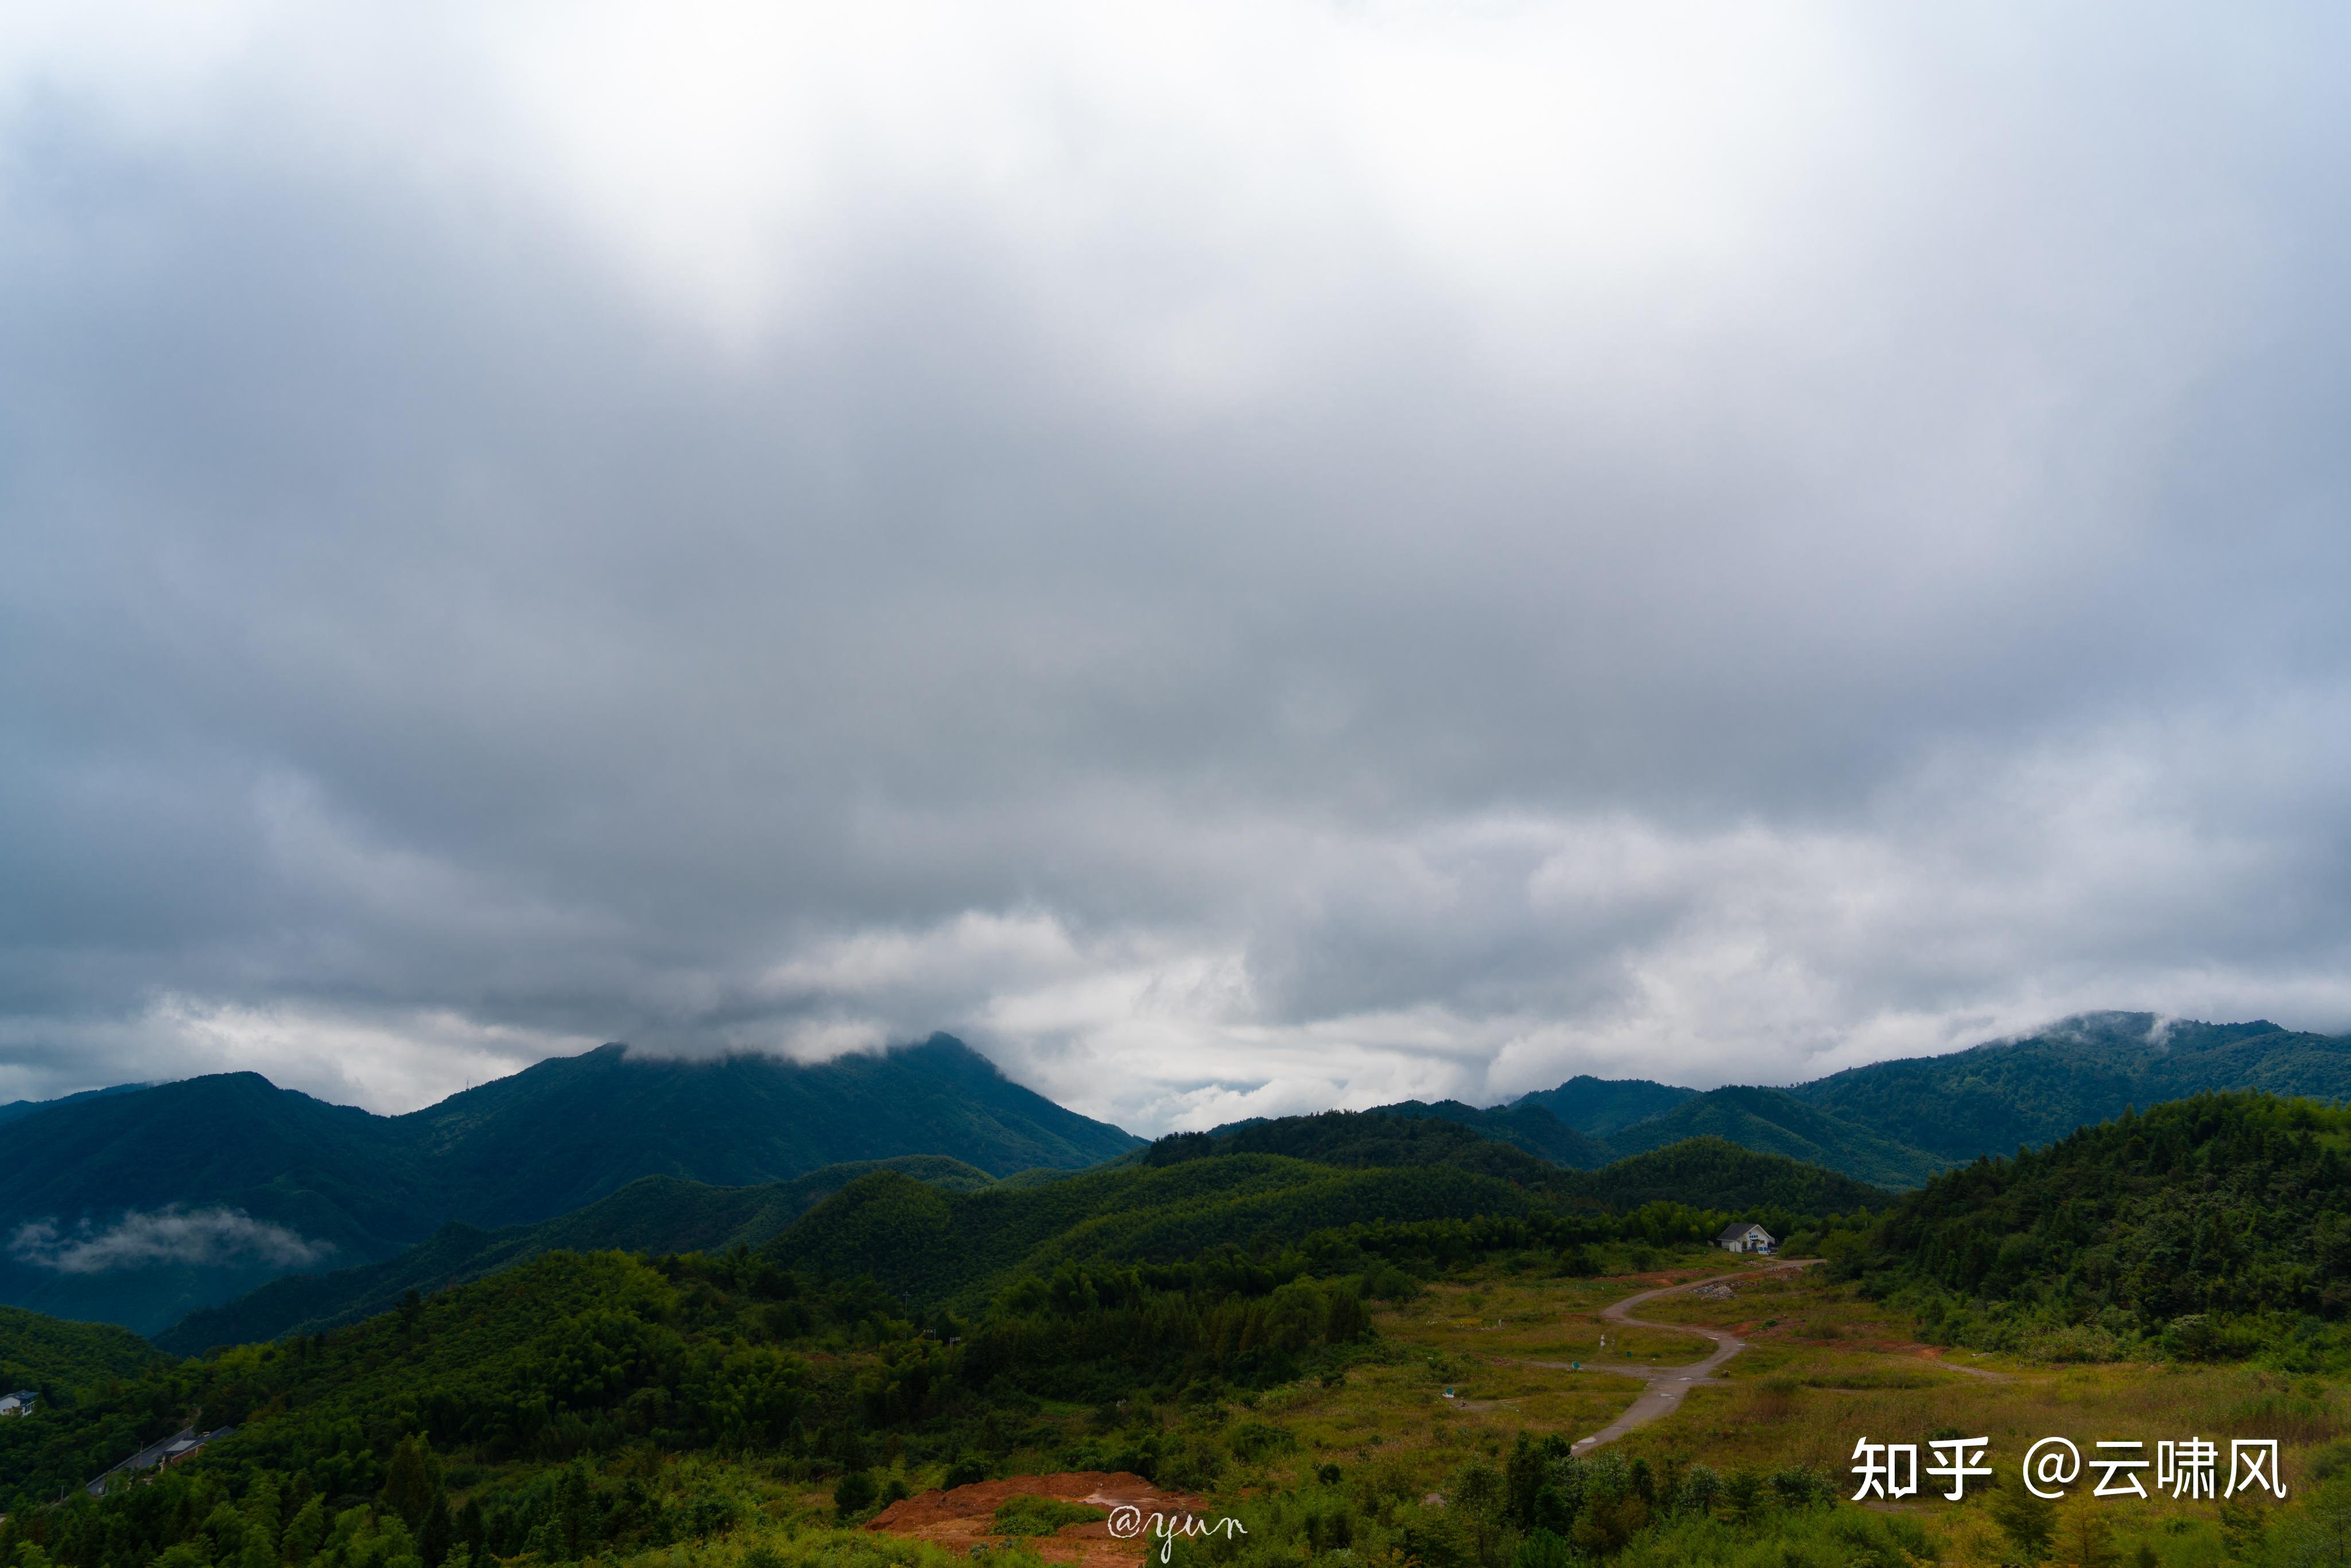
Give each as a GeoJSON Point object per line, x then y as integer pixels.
{"type": "Point", "coordinates": [1367, 1365]}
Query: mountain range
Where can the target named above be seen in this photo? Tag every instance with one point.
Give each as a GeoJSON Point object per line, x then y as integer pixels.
{"type": "Point", "coordinates": [1896, 1123]}
{"type": "Point", "coordinates": [145, 1205]}
{"type": "Point", "coordinates": [224, 1208]}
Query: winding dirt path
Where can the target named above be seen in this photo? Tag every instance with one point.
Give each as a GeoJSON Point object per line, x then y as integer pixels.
{"type": "Point", "coordinates": [1666, 1384]}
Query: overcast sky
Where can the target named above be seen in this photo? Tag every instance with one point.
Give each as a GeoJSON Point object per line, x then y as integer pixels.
{"type": "Point", "coordinates": [1240, 555]}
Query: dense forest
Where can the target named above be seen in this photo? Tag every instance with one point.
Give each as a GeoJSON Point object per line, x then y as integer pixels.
{"type": "Point", "coordinates": [339, 1186]}
{"type": "Point", "coordinates": [2213, 1226]}
{"type": "Point", "coordinates": [605, 1404]}
{"type": "Point", "coordinates": [652, 1214]}
{"type": "Point", "coordinates": [54, 1358]}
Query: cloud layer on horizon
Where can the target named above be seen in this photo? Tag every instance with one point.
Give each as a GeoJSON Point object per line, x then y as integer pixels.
{"type": "Point", "coordinates": [1242, 558]}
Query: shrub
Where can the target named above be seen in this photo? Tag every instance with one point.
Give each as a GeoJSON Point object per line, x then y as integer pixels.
{"type": "Point", "coordinates": [1027, 1514]}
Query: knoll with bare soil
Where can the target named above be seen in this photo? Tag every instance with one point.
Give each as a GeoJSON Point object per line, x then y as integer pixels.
{"type": "Point", "coordinates": [964, 1517]}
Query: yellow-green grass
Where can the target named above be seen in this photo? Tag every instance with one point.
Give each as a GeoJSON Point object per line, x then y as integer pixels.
{"type": "Point", "coordinates": [1827, 1368]}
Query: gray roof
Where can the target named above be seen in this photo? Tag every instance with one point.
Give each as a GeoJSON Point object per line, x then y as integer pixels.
{"type": "Point", "coordinates": [1733, 1232]}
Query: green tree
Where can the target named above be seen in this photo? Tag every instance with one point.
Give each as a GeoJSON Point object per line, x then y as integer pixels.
{"type": "Point", "coordinates": [2242, 1528]}
{"type": "Point", "coordinates": [2088, 1538]}
{"type": "Point", "coordinates": [854, 1494]}
{"type": "Point", "coordinates": [2029, 1523]}
{"type": "Point", "coordinates": [304, 1532]}
{"type": "Point", "coordinates": [411, 1481]}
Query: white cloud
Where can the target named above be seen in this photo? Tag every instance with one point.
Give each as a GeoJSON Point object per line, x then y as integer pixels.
{"type": "Point", "coordinates": [203, 1237]}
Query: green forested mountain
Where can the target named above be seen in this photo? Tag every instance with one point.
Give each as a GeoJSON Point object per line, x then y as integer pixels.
{"type": "Point", "coordinates": [1600, 1106]}
{"type": "Point", "coordinates": [566, 1132]}
{"type": "Point", "coordinates": [2216, 1225]}
{"type": "Point", "coordinates": [652, 1214]}
{"type": "Point", "coordinates": [1772, 1121]}
{"type": "Point", "coordinates": [1109, 1212]}
{"type": "Point", "coordinates": [1894, 1123]}
{"type": "Point", "coordinates": [1358, 1139]}
{"type": "Point", "coordinates": [141, 1207]}
{"type": "Point", "coordinates": [137, 1208]}
{"type": "Point", "coordinates": [45, 1354]}
{"type": "Point", "coordinates": [1712, 1172]}
{"type": "Point", "coordinates": [1525, 1127]}
{"type": "Point", "coordinates": [936, 1246]}
{"type": "Point", "coordinates": [16, 1108]}
{"type": "Point", "coordinates": [1995, 1097]}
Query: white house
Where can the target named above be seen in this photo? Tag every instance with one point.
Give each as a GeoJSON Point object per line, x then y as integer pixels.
{"type": "Point", "coordinates": [1746, 1238]}
{"type": "Point", "coordinates": [18, 1404]}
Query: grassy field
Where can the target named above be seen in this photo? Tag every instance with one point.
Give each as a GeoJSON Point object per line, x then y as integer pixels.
{"type": "Point", "coordinates": [1433, 1408]}
{"type": "Point", "coordinates": [1824, 1368]}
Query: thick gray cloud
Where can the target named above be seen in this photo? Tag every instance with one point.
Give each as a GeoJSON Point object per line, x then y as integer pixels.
{"type": "Point", "coordinates": [1242, 557]}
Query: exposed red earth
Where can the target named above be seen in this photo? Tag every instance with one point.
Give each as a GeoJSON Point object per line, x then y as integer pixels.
{"type": "Point", "coordinates": [960, 1518]}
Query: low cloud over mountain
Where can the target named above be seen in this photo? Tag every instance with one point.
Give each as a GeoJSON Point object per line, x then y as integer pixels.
{"type": "Point", "coordinates": [203, 1237]}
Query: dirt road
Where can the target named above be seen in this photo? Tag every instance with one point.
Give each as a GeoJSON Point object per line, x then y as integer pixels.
{"type": "Point", "coordinates": [1666, 1384]}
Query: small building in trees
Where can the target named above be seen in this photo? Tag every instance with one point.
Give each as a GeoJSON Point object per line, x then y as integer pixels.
{"type": "Point", "coordinates": [1746, 1238]}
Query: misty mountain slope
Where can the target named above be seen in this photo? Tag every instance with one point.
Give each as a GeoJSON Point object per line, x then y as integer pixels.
{"type": "Point", "coordinates": [1774, 1121]}
{"type": "Point", "coordinates": [566, 1131]}
{"type": "Point", "coordinates": [1993, 1097]}
{"type": "Point", "coordinates": [145, 1205]}
{"type": "Point", "coordinates": [1600, 1106]}
{"type": "Point", "coordinates": [331, 1175]}
{"type": "Point", "coordinates": [652, 1214]}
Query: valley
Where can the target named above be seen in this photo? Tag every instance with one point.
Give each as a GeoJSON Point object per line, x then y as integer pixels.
{"type": "Point", "coordinates": [1379, 1336]}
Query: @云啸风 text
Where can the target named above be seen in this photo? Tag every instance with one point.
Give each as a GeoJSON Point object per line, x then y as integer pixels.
{"type": "Point", "coordinates": [2185, 1468]}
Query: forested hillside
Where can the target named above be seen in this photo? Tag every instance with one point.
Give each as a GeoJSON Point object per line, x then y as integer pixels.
{"type": "Point", "coordinates": [652, 1214]}
{"type": "Point", "coordinates": [1524, 1127]}
{"type": "Point", "coordinates": [936, 1246]}
{"type": "Point", "coordinates": [2217, 1226]}
{"type": "Point", "coordinates": [1600, 1106]}
{"type": "Point", "coordinates": [1771, 1120]}
{"type": "Point", "coordinates": [568, 1354]}
{"type": "Point", "coordinates": [56, 1357]}
{"type": "Point", "coordinates": [1713, 1173]}
{"type": "Point", "coordinates": [1894, 1123]}
{"type": "Point", "coordinates": [142, 1206]}
{"type": "Point", "coordinates": [1996, 1097]}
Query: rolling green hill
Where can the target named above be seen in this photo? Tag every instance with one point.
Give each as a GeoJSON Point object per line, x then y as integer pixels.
{"type": "Point", "coordinates": [931, 1245]}
{"type": "Point", "coordinates": [141, 1207]}
{"type": "Point", "coordinates": [1600, 1106]}
{"type": "Point", "coordinates": [43, 1353]}
{"type": "Point", "coordinates": [935, 1249]}
{"type": "Point", "coordinates": [1529, 1127]}
{"type": "Point", "coordinates": [1358, 1139]}
{"type": "Point", "coordinates": [2218, 1224]}
{"type": "Point", "coordinates": [652, 1214]}
{"type": "Point", "coordinates": [1771, 1120]}
{"type": "Point", "coordinates": [1995, 1097]}
{"type": "Point", "coordinates": [1712, 1172]}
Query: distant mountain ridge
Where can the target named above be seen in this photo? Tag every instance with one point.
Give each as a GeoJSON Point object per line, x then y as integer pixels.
{"type": "Point", "coordinates": [144, 1206]}
{"type": "Point", "coordinates": [652, 1214]}
{"type": "Point", "coordinates": [15, 1108]}
{"type": "Point", "coordinates": [1599, 1106]}
{"type": "Point", "coordinates": [1896, 1124]}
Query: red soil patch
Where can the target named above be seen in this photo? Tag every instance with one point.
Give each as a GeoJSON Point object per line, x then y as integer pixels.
{"type": "Point", "coordinates": [960, 1518]}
